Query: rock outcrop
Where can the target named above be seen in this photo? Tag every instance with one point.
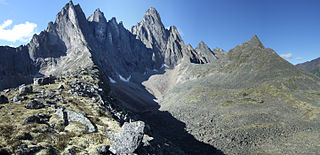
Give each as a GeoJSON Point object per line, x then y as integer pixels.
{"type": "Point", "coordinates": [71, 116]}
{"type": "Point", "coordinates": [128, 139]}
{"type": "Point", "coordinates": [3, 99]}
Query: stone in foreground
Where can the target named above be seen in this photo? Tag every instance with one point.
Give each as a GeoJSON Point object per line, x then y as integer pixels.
{"type": "Point", "coordinates": [69, 116]}
{"type": "Point", "coordinates": [128, 139]}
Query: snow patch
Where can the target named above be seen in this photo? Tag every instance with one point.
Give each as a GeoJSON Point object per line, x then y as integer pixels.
{"type": "Point", "coordinates": [164, 65]}
{"type": "Point", "coordinates": [125, 79]}
{"type": "Point", "coordinates": [111, 80]}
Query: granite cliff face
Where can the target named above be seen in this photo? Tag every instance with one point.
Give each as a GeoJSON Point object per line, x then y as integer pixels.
{"type": "Point", "coordinates": [88, 83]}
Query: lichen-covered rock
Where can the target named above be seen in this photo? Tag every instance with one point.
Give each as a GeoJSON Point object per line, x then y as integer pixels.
{"type": "Point", "coordinates": [128, 139]}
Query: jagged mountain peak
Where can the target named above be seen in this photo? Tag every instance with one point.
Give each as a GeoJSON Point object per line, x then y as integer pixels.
{"type": "Point", "coordinates": [113, 20]}
{"type": "Point", "coordinates": [205, 52]}
{"type": "Point", "coordinates": [219, 50]}
{"type": "Point", "coordinates": [248, 47]}
{"type": "Point", "coordinates": [152, 18]}
{"type": "Point", "coordinates": [255, 41]}
{"type": "Point", "coordinates": [174, 32]}
{"type": "Point", "coordinates": [152, 12]}
{"type": "Point", "coordinates": [203, 45]}
{"type": "Point", "coordinates": [97, 16]}
{"type": "Point", "coordinates": [68, 6]}
{"type": "Point", "coordinates": [189, 46]}
{"type": "Point", "coordinates": [71, 12]}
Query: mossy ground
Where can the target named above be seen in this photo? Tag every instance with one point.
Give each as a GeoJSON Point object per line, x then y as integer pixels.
{"type": "Point", "coordinates": [60, 137]}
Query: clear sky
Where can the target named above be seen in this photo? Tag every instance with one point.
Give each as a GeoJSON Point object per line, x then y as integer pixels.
{"type": "Point", "coordinates": [290, 27]}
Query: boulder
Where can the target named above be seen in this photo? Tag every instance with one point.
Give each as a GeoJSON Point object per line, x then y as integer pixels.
{"type": "Point", "coordinates": [43, 80]}
{"type": "Point", "coordinates": [24, 90]}
{"type": "Point", "coordinates": [69, 116]}
{"type": "Point", "coordinates": [31, 119]}
{"type": "Point", "coordinates": [24, 150]}
{"type": "Point", "coordinates": [128, 139]}
{"type": "Point", "coordinates": [104, 150]}
{"type": "Point", "coordinates": [17, 99]}
{"type": "Point", "coordinates": [34, 104]}
{"type": "Point", "coordinates": [4, 151]}
{"type": "Point", "coordinates": [3, 99]}
{"type": "Point", "coordinates": [24, 136]}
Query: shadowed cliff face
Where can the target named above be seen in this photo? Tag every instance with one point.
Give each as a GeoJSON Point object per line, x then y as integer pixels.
{"type": "Point", "coordinates": [16, 67]}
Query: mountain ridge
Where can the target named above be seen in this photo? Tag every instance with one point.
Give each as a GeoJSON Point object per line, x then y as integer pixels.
{"type": "Point", "coordinates": [312, 66]}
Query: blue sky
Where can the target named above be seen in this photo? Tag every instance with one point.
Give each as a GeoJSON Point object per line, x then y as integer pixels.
{"type": "Point", "coordinates": [290, 27]}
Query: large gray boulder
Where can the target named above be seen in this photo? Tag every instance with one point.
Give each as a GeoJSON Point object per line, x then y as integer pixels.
{"type": "Point", "coordinates": [79, 117]}
{"type": "Point", "coordinates": [128, 139]}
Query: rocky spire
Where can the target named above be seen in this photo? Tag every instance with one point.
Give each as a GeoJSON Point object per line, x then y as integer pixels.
{"type": "Point", "coordinates": [97, 16]}
{"type": "Point", "coordinates": [152, 16]}
{"type": "Point", "coordinates": [63, 46]}
{"type": "Point", "coordinates": [255, 41]}
{"type": "Point", "coordinates": [151, 30]}
{"type": "Point", "coordinates": [204, 51]}
{"type": "Point", "coordinates": [167, 45]}
{"type": "Point", "coordinates": [99, 24]}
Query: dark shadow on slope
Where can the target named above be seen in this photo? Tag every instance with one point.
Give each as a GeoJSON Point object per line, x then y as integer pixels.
{"type": "Point", "coordinates": [138, 99]}
{"type": "Point", "coordinates": [164, 124]}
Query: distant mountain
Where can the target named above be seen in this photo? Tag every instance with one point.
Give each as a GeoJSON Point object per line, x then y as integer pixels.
{"type": "Point", "coordinates": [90, 86]}
{"type": "Point", "coordinates": [253, 102]}
{"type": "Point", "coordinates": [312, 66]}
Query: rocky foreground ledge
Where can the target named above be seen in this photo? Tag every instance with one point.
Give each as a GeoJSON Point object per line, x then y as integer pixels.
{"type": "Point", "coordinates": [72, 114]}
